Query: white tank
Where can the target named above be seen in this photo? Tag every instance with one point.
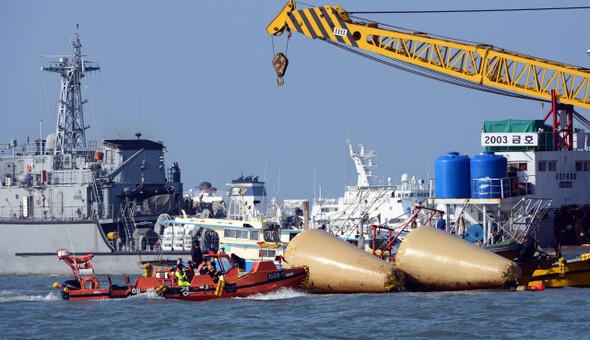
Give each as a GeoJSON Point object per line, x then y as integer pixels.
{"type": "Point", "coordinates": [50, 142]}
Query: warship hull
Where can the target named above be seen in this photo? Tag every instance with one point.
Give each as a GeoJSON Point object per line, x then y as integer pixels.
{"type": "Point", "coordinates": [22, 254]}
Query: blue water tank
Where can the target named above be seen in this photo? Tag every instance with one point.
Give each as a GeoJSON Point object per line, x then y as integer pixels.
{"type": "Point", "coordinates": [489, 176]}
{"type": "Point", "coordinates": [452, 176]}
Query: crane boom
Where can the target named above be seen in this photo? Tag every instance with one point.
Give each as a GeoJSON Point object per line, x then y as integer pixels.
{"type": "Point", "coordinates": [478, 63]}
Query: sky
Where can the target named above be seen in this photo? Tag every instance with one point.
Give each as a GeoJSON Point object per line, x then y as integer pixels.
{"type": "Point", "coordinates": [197, 75]}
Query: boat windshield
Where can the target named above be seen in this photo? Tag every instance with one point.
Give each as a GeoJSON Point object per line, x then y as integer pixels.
{"type": "Point", "coordinates": [222, 263]}
{"type": "Point", "coordinates": [227, 265]}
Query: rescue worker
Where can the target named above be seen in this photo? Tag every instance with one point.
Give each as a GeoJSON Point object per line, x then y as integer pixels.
{"type": "Point", "coordinates": [181, 276]}
{"type": "Point", "coordinates": [239, 262]}
{"type": "Point", "coordinates": [196, 253]}
{"type": "Point", "coordinates": [203, 268]}
{"type": "Point", "coordinates": [213, 272]}
{"type": "Point", "coordinates": [188, 270]}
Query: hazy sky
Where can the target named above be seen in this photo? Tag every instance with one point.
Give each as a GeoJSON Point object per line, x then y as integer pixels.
{"type": "Point", "coordinates": [197, 75]}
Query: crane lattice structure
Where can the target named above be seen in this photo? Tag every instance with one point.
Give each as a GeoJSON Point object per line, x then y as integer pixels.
{"type": "Point", "coordinates": [508, 72]}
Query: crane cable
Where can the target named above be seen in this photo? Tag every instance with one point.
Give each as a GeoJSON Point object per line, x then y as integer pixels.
{"type": "Point", "coordinates": [582, 120]}
{"type": "Point", "coordinates": [474, 10]}
{"type": "Point", "coordinates": [433, 74]}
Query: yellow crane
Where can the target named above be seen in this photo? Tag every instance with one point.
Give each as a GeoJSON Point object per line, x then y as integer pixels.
{"type": "Point", "coordinates": [479, 64]}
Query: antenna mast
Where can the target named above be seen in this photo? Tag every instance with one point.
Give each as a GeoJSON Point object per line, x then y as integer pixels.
{"type": "Point", "coordinates": [70, 130]}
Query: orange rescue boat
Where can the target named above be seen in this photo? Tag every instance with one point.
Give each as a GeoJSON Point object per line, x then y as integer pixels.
{"type": "Point", "coordinates": [227, 282]}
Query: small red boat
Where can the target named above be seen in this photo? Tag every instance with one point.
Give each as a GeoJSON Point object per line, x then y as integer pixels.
{"type": "Point", "coordinates": [228, 281]}
{"type": "Point", "coordinates": [85, 285]}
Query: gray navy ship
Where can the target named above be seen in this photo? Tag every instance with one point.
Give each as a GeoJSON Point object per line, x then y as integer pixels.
{"type": "Point", "coordinates": [62, 192]}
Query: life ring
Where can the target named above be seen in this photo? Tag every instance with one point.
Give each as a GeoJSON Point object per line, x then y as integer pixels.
{"type": "Point", "coordinates": [86, 258]}
{"type": "Point", "coordinates": [89, 280]}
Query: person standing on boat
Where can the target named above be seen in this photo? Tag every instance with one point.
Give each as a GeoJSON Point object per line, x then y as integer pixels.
{"type": "Point", "coordinates": [196, 253]}
{"type": "Point", "coordinates": [240, 262]}
{"type": "Point", "coordinates": [441, 224]}
{"type": "Point", "coordinates": [189, 270]}
{"type": "Point", "coordinates": [181, 276]}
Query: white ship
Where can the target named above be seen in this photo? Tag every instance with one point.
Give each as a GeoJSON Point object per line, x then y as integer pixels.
{"type": "Point", "coordinates": [350, 217]}
{"type": "Point", "coordinates": [64, 192]}
{"type": "Point", "coordinates": [236, 224]}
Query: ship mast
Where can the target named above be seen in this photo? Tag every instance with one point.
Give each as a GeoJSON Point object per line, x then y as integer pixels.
{"type": "Point", "coordinates": [70, 131]}
{"type": "Point", "coordinates": [362, 162]}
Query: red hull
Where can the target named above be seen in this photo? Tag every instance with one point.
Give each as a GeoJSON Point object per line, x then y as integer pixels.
{"type": "Point", "coordinates": [98, 294]}
{"type": "Point", "coordinates": [263, 278]}
{"type": "Point", "coordinates": [249, 284]}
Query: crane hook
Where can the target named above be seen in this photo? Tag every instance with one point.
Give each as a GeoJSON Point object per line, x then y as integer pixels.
{"type": "Point", "coordinates": [280, 63]}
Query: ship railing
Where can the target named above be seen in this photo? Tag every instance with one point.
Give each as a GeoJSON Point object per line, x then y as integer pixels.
{"type": "Point", "coordinates": [357, 213]}
{"type": "Point", "coordinates": [35, 148]}
{"type": "Point", "coordinates": [67, 212]}
{"type": "Point", "coordinates": [504, 187]}
{"type": "Point", "coordinates": [501, 187]}
{"type": "Point", "coordinates": [10, 212]}
{"type": "Point", "coordinates": [104, 211]}
{"type": "Point", "coordinates": [418, 216]}
{"type": "Point", "coordinates": [525, 216]}
{"type": "Point", "coordinates": [72, 177]}
{"type": "Point", "coordinates": [98, 196]}
{"type": "Point", "coordinates": [27, 149]}
{"type": "Point", "coordinates": [321, 201]}
{"type": "Point", "coordinates": [129, 225]}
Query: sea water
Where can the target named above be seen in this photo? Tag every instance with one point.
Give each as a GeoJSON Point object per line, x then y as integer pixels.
{"type": "Point", "coordinates": [31, 308]}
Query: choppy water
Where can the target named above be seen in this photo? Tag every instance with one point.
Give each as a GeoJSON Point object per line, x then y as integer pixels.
{"type": "Point", "coordinates": [31, 308]}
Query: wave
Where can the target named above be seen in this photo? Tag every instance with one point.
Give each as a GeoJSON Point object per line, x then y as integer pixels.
{"type": "Point", "coordinates": [8, 297]}
{"type": "Point", "coordinates": [280, 294]}
{"type": "Point", "coordinates": [146, 296]}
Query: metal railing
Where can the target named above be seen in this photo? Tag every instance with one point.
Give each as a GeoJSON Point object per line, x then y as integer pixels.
{"type": "Point", "coordinates": [68, 212]}
{"type": "Point", "coordinates": [495, 187]}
